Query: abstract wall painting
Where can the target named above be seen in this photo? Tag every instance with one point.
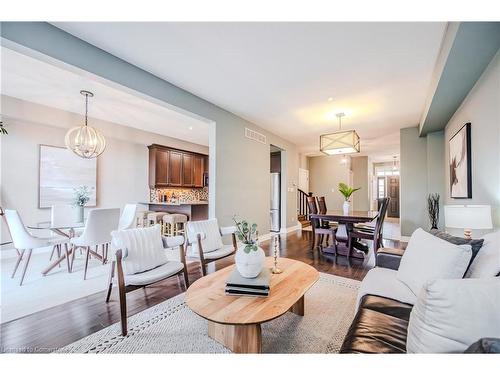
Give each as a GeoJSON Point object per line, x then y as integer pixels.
{"type": "Point", "coordinates": [60, 172]}
{"type": "Point", "coordinates": [460, 163]}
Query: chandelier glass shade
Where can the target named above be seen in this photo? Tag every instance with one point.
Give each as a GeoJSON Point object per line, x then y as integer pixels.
{"type": "Point", "coordinates": [340, 142]}
{"type": "Point", "coordinates": [85, 141]}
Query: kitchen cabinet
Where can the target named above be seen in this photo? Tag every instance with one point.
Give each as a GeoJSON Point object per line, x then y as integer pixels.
{"type": "Point", "coordinates": [187, 169]}
{"type": "Point", "coordinates": [198, 170]}
{"type": "Point", "coordinates": [170, 167]}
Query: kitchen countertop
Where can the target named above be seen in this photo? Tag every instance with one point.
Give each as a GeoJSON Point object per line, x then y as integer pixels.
{"type": "Point", "coordinates": [194, 203]}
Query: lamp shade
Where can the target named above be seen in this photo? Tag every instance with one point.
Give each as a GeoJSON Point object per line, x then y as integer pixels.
{"type": "Point", "coordinates": [468, 216]}
{"type": "Point", "coordinates": [342, 142]}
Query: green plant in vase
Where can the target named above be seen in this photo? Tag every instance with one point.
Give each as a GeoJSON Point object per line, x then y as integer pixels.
{"type": "Point", "coordinates": [82, 196]}
{"type": "Point", "coordinates": [249, 258]}
{"type": "Point", "coordinates": [346, 191]}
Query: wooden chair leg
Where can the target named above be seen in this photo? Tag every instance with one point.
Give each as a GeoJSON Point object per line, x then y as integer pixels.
{"type": "Point", "coordinates": [73, 253]}
{"type": "Point", "coordinates": [52, 253]}
{"type": "Point", "coordinates": [313, 241]}
{"type": "Point", "coordinates": [203, 268]}
{"type": "Point", "coordinates": [19, 259]}
{"type": "Point", "coordinates": [122, 292]}
{"type": "Point", "coordinates": [68, 262]}
{"type": "Point", "coordinates": [86, 263]}
{"type": "Point", "coordinates": [349, 246]}
{"type": "Point", "coordinates": [28, 257]}
{"type": "Point", "coordinates": [110, 280]}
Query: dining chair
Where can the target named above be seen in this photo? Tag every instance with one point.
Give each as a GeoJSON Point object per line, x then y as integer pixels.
{"type": "Point", "coordinates": [366, 233]}
{"type": "Point", "coordinates": [24, 242]}
{"type": "Point", "coordinates": [128, 217]}
{"type": "Point", "coordinates": [100, 223]}
{"type": "Point", "coordinates": [320, 229]}
{"type": "Point", "coordinates": [205, 239]}
{"type": "Point", "coordinates": [141, 260]}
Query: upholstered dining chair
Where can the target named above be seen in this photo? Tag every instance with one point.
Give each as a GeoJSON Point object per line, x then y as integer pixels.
{"type": "Point", "coordinates": [205, 240]}
{"type": "Point", "coordinates": [24, 242]}
{"type": "Point", "coordinates": [320, 229]}
{"type": "Point", "coordinates": [141, 260]}
{"type": "Point", "coordinates": [128, 217]}
{"type": "Point", "coordinates": [100, 223]}
{"type": "Point", "coordinates": [375, 234]}
{"type": "Point", "coordinates": [64, 215]}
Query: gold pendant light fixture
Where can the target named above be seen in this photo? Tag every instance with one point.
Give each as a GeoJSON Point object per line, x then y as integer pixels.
{"type": "Point", "coordinates": [340, 142]}
{"type": "Point", "coordinates": [85, 141]}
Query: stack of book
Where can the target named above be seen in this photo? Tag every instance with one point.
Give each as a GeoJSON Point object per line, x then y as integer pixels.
{"type": "Point", "coordinates": [237, 285]}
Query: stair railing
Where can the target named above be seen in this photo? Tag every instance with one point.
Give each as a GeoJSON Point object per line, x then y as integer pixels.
{"type": "Point", "coordinates": [302, 206]}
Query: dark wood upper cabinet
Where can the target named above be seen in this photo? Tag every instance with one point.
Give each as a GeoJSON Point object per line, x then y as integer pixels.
{"type": "Point", "coordinates": [198, 169]}
{"type": "Point", "coordinates": [176, 168]}
{"type": "Point", "coordinates": [187, 169]}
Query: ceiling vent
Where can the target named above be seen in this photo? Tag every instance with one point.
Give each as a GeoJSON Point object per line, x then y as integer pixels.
{"type": "Point", "coordinates": [256, 136]}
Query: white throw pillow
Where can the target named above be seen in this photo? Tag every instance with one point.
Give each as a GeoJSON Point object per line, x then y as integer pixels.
{"type": "Point", "coordinates": [428, 258]}
{"type": "Point", "coordinates": [450, 315]}
{"type": "Point", "coordinates": [212, 240]}
{"type": "Point", "coordinates": [143, 248]}
{"type": "Point", "coordinates": [487, 261]}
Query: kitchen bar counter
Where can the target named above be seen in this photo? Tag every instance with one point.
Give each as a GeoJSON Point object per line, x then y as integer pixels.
{"type": "Point", "coordinates": [197, 210]}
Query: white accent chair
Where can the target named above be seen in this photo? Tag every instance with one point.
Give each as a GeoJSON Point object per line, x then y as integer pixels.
{"type": "Point", "coordinates": [205, 238]}
{"type": "Point", "coordinates": [141, 260]}
{"type": "Point", "coordinates": [128, 217]}
{"type": "Point", "coordinates": [24, 241]}
{"type": "Point", "coordinates": [100, 223]}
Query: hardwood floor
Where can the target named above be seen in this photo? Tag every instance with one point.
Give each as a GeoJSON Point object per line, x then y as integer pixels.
{"type": "Point", "coordinates": [61, 325]}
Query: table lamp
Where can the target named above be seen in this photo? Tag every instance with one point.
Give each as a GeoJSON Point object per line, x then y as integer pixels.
{"type": "Point", "coordinates": [468, 217]}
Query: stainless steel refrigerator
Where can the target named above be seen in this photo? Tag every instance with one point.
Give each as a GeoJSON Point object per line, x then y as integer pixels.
{"type": "Point", "coordinates": [275, 202]}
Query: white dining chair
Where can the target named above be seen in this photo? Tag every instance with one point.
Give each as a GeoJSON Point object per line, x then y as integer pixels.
{"type": "Point", "coordinates": [24, 242]}
{"type": "Point", "coordinates": [128, 217]}
{"type": "Point", "coordinates": [100, 223]}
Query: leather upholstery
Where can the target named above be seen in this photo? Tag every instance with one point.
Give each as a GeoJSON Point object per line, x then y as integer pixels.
{"type": "Point", "coordinates": [388, 257]}
{"type": "Point", "coordinates": [380, 326]}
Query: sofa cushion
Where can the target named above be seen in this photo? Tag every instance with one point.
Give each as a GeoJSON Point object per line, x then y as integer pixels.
{"type": "Point", "coordinates": [383, 282]}
{"type": "Point", "coordinates": [475, 244]}
{"type": "Point", "coordinates": [143, 248]}
{"type": "Point", "coordinates": [487, 261]}
{"type": "Point", "coordinates": [380, 326]}
{"type": "Point", "coordinates": [450, 315]}
{"type": "Point", "coordinates": [428, 257]}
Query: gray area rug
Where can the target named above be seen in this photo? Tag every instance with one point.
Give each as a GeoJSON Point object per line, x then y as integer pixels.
{"type": "Point", "coordinates": [171, 327]}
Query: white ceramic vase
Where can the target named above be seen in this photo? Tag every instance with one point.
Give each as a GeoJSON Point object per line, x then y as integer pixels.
{"type": "Point", "coordinates": [249, 264]}
{"type": "Point", "coordinates": [346, 207]}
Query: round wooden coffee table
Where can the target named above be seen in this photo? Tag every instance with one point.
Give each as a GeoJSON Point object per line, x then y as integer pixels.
{"type": "Point", "coordinates": [235, 321]}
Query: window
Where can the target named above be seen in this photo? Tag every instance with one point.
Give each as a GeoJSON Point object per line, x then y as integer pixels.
{"type": "Point", "coordinates": [381, 187]}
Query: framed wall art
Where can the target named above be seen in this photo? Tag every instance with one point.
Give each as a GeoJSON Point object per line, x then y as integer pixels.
{"type": "Point", "coordinates": [460, 163]}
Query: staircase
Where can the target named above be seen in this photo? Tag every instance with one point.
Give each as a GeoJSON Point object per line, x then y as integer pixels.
{"type": "Point", "coordinates": [303, 208]}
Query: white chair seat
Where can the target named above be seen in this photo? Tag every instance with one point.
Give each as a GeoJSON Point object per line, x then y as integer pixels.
{"type": "Point", "coordinates": [219, 253]}
{"type": "Point", "coordinates": [154, 275]}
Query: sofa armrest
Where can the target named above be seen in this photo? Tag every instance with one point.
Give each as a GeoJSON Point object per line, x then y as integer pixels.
{"type": "Point", "coordinates": [389, 257]}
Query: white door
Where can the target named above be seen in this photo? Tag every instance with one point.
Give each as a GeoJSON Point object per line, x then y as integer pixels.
{"type": "Point", "coordinates": [304, 180]}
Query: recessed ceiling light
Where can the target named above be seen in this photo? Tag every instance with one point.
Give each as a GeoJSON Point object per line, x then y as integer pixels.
{"type": "Point", "coordinates": [190, 128]}
{"type": "Point", "coordinates": [330, 99]}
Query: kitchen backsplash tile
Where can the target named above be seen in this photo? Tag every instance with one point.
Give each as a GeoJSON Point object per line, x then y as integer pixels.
{"type": "Point", "coordinates": [181, 194]}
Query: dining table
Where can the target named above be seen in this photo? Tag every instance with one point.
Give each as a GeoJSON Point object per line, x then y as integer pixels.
{"type": "Point", "coordinates": [67, 230]}
{"type": "Point", "coordinates": [346, 223]}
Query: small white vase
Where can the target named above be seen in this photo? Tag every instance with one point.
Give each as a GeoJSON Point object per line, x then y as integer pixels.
{"type": "Point", "coordinates": [346, 207]}
{"type": "Point", "coordinates": [249, 264]}
{"type": "Point", "coordinates": [79, 214]}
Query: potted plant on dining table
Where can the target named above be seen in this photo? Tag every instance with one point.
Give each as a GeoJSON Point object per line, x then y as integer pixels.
{"type": "Point", "coordinates": [82, 196]}
{"type": "Point", "coordinates": [347, 191]}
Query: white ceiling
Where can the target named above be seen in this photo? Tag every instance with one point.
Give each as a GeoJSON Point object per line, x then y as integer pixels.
{"type": "Point", "coordinates": [33, 80]}
{"type": "Point", "coordinates": [280, 75]}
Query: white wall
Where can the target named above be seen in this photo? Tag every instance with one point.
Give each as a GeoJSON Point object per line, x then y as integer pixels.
{"type": "Point", "coordinates": [122, 170]}
{"type": "Point", "coordinates": [481, 108]}
{"type": "Point", "coordinates": [325, 173]}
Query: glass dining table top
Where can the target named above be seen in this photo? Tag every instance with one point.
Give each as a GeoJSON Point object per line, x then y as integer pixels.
{"type": "Point", "coordinates": [51, 225]}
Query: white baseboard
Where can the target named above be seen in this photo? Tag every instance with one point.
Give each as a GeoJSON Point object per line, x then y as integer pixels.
{"type": "Point", "coordinates": [291, 229]}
